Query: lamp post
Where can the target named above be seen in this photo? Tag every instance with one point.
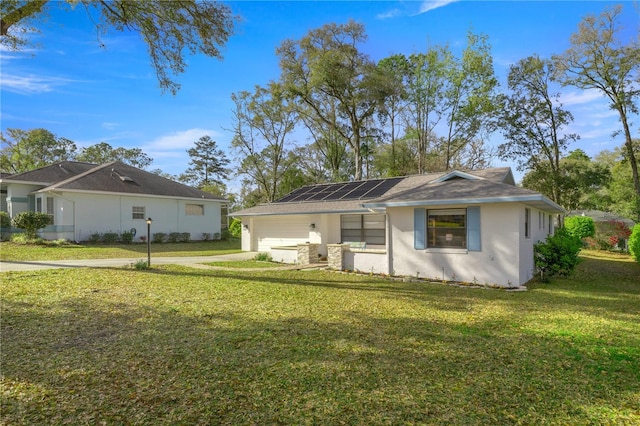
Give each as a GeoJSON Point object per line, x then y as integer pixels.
{"type": "Point", "coordinates": [149, 242]}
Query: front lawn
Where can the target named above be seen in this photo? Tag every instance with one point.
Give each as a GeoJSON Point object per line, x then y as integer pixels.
{"type": "Point", "coordinates": [176, 345]}
{"type": "Point", "coordinates": [21, 252]}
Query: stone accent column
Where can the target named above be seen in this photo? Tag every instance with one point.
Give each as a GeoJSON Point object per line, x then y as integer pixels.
{"type": "Point", "coordinates": [336, 255]}
{"type": "Point", "coordinates": [307, 253]}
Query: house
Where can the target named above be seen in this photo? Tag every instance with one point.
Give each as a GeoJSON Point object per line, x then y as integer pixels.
{"type": "Point", "coordinates": [84, 199]}
{"type": "Point", "coordinates": [474, 226]}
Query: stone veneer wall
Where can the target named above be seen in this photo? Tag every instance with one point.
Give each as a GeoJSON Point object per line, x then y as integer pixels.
{"type": "Point", "coordinates": [336, 256]}
{"type": "Point", "coordinates": [307, 254]}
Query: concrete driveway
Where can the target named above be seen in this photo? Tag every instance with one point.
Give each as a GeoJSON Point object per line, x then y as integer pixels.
{"type": "Point", "coordinates": [120, 262]}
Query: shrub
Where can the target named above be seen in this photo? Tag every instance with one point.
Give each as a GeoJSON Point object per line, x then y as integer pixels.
{"type": "Point", "coordinates": [5, 220]}
{"type": "Point", "coordinates": [30, 222]}
{"type": "Point", "coordinates": [126, 237]}
{"type": "Point", "coordinates": [174, 237]}
{"type": "Point", "coordinates": [263, 257]}
{"type": "Point", "coordinates": [235, 228]}
{"type": "Point", "coordinates": [5, 225]}
{"type": "Point", "coordinates": [110, 237]}
{"type": "Point", "coordinates": [185, 237]}
{"type": "Point", "coordinates": [95, 237]}
{"type": "Point", "coordinates": [140, 265]}
{"type": "Point", "coordinates": [580, 226]}
{"type": "Point", "coordinates": [557, 255]}
{"type": "Point", "coordinates": [159, 237]}
{"type": "Point", "coordinates": [23, 239]}
{"type": "Point", "coordinates": [206, 236]}
{"type": "Point", "coordinates": [634, 242]}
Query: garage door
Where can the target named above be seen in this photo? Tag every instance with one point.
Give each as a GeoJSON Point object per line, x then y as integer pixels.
{"type": "Point", "coordinates": [287, 231]}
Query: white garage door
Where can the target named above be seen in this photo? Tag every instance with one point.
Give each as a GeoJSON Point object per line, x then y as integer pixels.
{"type": "Point", "coordinates": [281, 231]}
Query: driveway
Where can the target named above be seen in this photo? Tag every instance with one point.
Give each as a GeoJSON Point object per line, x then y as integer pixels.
{"type": "Point", "coordinates": [116, 263]}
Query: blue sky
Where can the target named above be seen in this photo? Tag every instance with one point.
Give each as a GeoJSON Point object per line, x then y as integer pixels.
{"type": "Point", "coordinates": [78, 90]}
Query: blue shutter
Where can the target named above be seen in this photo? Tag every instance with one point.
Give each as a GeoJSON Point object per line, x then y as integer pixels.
{"type": "Point", "coordinates": [419, 229]}
{"type": "Point", "coordinates": [473, 229]}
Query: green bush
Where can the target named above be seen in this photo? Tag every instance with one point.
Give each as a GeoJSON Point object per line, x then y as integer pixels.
{"type": "Point", "coordinates": [580, 226]}
{"type": "Point", "coordinates": [22, 238]}
{"type": "Point", "coordinates": [236, 228]}
{"type": "Point", "coordinates": [126, 237]}
{"type": "Point", "coordinates": [95, 237]}
{"type": "Point", "coordinates": [634, 242]}
{"type": "Point", "coordinates": [185, 237]}
{"type": "Point", "coordinates": [174, 237]}
{"type": "Point", "coordinates": [159, 237]}
{"type": "Point", "coordinates": [557, 255]}
{"type": "Point", "coordinates": [30, 222]}
{"type": "Point", "coordinates": [110, 237]}
{"type": "Point", "coordinates": [263, 257]}
{"type": "Point", "coordinates": [5, 220]}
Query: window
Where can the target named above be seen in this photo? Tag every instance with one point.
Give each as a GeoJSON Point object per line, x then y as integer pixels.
{"type": "Point", "coordinates": [50, 208]}
{"type": "Point", "coordinates": [224, 216]}
{"type": "Point", "coordinates": [539, 220]}
{"type": "Point", "coordinates": [447, 228]}
{"type": "Point", "coordinates": [527, 223]}
{"type": "Point", "coordinates": [550, 224]}
{"type": "Point", "coordinates": [46, 208]}
{"type": "Point", "coordinates": [194, 209]}
{"type": "Point", "coordinates": [137, 212]}
{"type": "Point", "coordinates": [367, 228]}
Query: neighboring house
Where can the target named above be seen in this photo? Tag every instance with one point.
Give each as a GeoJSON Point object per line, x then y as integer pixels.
{"type": "Point", "coordinates": [84, 199]}
{"type": "Point", "coordinates": [475, 226]}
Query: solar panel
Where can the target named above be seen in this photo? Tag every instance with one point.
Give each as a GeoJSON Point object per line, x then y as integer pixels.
{"type": "Point", "coordinates": [383, 187]}
{"type": "Point", "coordinates": [340, 191]}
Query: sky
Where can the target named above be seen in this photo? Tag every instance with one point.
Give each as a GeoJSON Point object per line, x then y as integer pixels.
{"type": "Point", "coordinates": [75, 88]}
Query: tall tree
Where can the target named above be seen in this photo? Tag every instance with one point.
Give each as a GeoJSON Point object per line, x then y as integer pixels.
{"type": "Point", "coordinates": [471, 102]}
{"type": "Point", "coordinates": [599, 59]}
{"type": "Point", "coordinates": [620, 192]}
{"type": "Point", "coordinates": [207, 163]}
{"type": "Point", "coordinates": [327, 65]}
{"type": "Point", "coordinates": [395, 70]}
{"type": "Point", "coordinates": [24, 150]}
{"type": "Point", "coordinates": [533, 120]}
{"type": "Point", "coordinates": [426, 85]}
{"type": "Point", "coordinates": [102, 153]}
{"type": "Point", "coordinates": [264, 122]}
{"type": "Point", "coordinates": [169, 28]}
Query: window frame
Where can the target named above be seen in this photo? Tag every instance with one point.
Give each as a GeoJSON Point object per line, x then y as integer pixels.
{"type": "Point", "coordinates": [434, 238]}
{"type": "Point", "coordinates": [193, 212]}
{"type": "Point", "coordinates": [364, 230]}
{"type": "Point", "coordinates": [135, 214]}
{"type": "Point", "coordinates": [527, 222]}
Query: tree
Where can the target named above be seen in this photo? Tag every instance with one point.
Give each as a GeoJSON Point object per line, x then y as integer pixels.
{"type": "Point", "coordinates": [598, 59]}
{"type": "Point", "coordinates": [619, 191]}
{"type": "Point", "coordinates": [338, 83]}
{"type": "Point", "coordinates": [264, 121]}
{"type": "Point", "coordinates": [207, 162]}
{"type": "Point", "coordinates": [532, 121]}
{"type": "Point", "coordinates": [426, 86]}
{"type": "Point", "coordinates": [577, 185]}
{"type": "Point", "coordinates": [470, 100]}
{"type": "Point", "coordinates": [30, 222]}
{"type": "Point", "coordinates": [169, 28]}
{"type": "Point", "coordinates": [102, 153]}
{"type": "Point", "coordinates": [24, 150]}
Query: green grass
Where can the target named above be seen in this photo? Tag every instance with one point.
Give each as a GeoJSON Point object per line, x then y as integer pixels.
{"type": "Point", "coordinates": [246, 264]}
{"type": "Point", "coordinates": [175, 345]}
{"type": "Point", "coordinates": [20, 252]}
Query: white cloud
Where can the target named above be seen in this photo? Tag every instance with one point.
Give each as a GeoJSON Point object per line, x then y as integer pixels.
{"type": "Point", "coordinates": [109, 125]}
{"type": "Point", "coordinates": [179, 140]}
{"type": "Point", "coordinates": [390, 14]}
{"type": "Point", "coordinates": [32, 84]}
{"type": "Point", "coordinates": [427, 6]}
{"type": "Point", "coordinates": [579, 98]}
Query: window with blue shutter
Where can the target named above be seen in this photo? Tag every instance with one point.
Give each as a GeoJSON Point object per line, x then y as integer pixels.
{"type": "Point", "coordinates": [419, 228]}
{"type": "Point", "coordinates": [473, 229]}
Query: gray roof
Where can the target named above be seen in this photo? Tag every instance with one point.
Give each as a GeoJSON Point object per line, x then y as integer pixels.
{"type": "Point", "coordinates": [114, 177]}
{"type": "Point", "coordinates": [471, 187]}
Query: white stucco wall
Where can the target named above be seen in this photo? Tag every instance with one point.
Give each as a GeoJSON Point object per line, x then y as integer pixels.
{"type": "Point", "coordinates": [263, 232]}
{"type": "Point", "coordinates": [89, 214]}
{"type": "Point", "coordinates": [496, 263]}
